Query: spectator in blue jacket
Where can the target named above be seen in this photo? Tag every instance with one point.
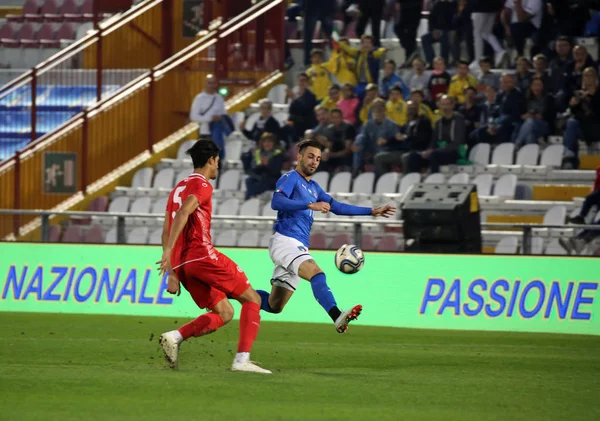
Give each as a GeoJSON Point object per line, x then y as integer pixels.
{"type": "Point", "coordinates": [390, 79]}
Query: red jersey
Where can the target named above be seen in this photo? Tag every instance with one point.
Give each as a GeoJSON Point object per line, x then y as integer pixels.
{"type": "Point", "coordinates": [194, 242]}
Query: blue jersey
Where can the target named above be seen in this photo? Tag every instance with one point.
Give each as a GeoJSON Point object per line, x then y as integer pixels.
{"type": "Point", "coordinates": [298, 223]}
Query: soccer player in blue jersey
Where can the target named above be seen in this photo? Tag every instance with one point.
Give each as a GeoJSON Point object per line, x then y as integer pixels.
{"type": "Point", "coordinates": [296, 199]}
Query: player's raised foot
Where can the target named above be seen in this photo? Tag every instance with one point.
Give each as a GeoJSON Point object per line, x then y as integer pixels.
{"type": "Point", "coordinates": [341, 324]}
{"type": "Point", "coordinates": [248, 367]}
{"type": "Point", "coordinates": [170, 344]}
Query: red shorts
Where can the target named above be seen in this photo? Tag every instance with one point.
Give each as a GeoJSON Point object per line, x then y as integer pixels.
{"type": "Point", "coordinates": [211, 280]}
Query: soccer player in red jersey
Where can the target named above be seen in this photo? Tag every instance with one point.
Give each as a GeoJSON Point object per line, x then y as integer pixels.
{"type": "Point", "coordinates": [208, 275]}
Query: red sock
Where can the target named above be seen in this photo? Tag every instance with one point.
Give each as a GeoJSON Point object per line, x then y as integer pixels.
{"type": "Point", "coordinates": [249, 324]}
{"type": "Point", "coordinates": [203, 325]}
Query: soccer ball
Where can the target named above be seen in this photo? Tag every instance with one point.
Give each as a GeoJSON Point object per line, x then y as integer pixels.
{"type": "Point", "coordinates": [349, 259]}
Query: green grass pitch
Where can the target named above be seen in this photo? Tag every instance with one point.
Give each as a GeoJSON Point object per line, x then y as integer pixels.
{"type": "Point", "coordinates": [75, 367]}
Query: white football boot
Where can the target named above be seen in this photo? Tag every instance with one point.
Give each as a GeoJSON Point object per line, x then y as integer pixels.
{"type": "Point", "coordinates": [248, 367]}
{"type": "Point", "coordinates": [170, 342]}
{"type": "Point", "coordinates": [341, 324]}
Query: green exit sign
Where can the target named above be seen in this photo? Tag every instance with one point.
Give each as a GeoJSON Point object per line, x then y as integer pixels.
{"type": "Point", "coordinates": [224, 91]}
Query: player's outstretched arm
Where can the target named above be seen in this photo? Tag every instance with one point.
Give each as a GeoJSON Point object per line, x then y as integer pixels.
{"type": "Point", "coordinates": [181, 216]}
{"type": "Point", "coordinates": [350, 210]}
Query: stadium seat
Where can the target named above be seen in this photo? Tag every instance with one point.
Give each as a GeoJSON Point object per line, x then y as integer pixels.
{"type": "Point", "coordinates": [183, 148]}
{"type": "Point", "coordinates": [368, 242]}
{"type": "Point", "coordinates": [164, 179]}
{"type": "Point", "coordinates": [281, 117]}
{"type": "Point", "coordinates": [181, 175]}
{"type": "Point", "coordinates": [387, 183]}
{"type": "Point", "coordinates": [237, 118]}
{"type": "Point", "coordinates": [528, 154]}
{"type": "Point", "coordinates": [537, 245]}
{"type": "Point", "coordinates": [506, 186]}
{"type": "Point", "coordinates": [340, 183]}
{"type": "Point", "coordinates": [119, 204]}
{"type": "Point", "coordinates": [73, 234]}
{"type": "Point", "coordinates": [226, 238]}
{"type": "Point", "coordinates": [250, 207]}
{"type": "Point", "coordinates": [407, 181]}
{"type": "Point", "coordinates": [249, 239]}
{"type": "Point", "coordinates": [503, 154]}
{"type": "Point", "coordinates": [251, 121]}
{"type": "Point", "coordinates": [233, 149]}
{"type": "Point", "coordinates": [339, 240]}
{"type": "Point", "coordinates": [459, 178]}
{"type": "Point", "coordinates": [230, 180]}
{"type": "Point", "coordinates": [322, 179]}
{"type": "Point", "coordinates": [264, 240]}
{"type": "Point", "coordinates": [363, 183]}
{"type": "Point", "coordinates": [111, 236]}
{"type": "Point", "coordinates": [318, 241]}
{"type": "Point", "coordinates": [484, 184]}
{"type": "Point", "coordinates": [435, 178]}
{"type": "Point", "coordinates": [94, 235]}
{"type": "Point", "coordinates": [552, 156]}
{"type": "Point", "coordinates": [555, 249]}
{"type": "Point", "coordinates": [278, 94]}
{"type": "Point", "coordinates": [142, 178]}
{"type": "Point", "coordinates": [268, 211]}
{"type": "Point", "coordinates": [556, 215]}
{"type": "Point", "coordinates": [230, 207]}
{"type": "Point", "coordinates": [480, 154]}
{"type": "Point", "coordinates": [387, 243]}
{"type": "Point", "coordinates": [507, 245]}
{"type": "Point", "coordinates": [155, 236]}
{"type": "Point", "coordinates": [138, 235]}
{"type": "Point", "coordinates": [141, 205]}
{"type": "Point", "coordinates": [159, 206]}
{"type": "Point", "coordinates": [54, 234]}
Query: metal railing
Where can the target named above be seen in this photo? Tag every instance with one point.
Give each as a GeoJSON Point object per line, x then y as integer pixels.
{"type": "Point", "coordinates": [121, 217]}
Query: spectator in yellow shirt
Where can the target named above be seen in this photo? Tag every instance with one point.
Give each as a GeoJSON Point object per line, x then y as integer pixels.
{"type": "Point", "coordinates": [417, 96]}
{"type": "Point", "coordinates": [342, 65]}
{"type": "Point", "coordinates": [371, 94]}
{"type": "Point", "coordinates": [368, 60]}
{"type": "Point", "coordinates": [332, 99]}
{"type": "Point", "coordinates": [318, 75]}
{"type": "Point", "coordinates": [461, 80]}
{"type": "Point", "coordinates": [395, 108]}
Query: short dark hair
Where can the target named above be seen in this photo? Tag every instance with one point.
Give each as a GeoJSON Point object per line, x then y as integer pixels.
{"type": "Point", "coordinates": [390, 61]}
{"type": "Point", "coordinates": [367, 36]}
{"type": "Point", "coordinates": [470, 88]}
{"type": "Point", "coordinates": [487, 60]}
{"type": "Point", "coordinates": [303, 74]}
{"type": "Point", "coordinates": [396, 88]}
{"type": "Point", "coordinates": [337, 110]}
{"type": "Point", "coordinates": [316, 51]}
{"type": "Point", "coordinates": [463, 61]}
{"type": "Point", "coordinates": [418, 91]}
{"type": "Point", "coordinates": [564, 38]}
{"type": "Point", "coordinates": [202, 151]}
{"type": "Point", "coordinates": [335, 86]}
{"type": "Point", "coordinates": [309, 143]}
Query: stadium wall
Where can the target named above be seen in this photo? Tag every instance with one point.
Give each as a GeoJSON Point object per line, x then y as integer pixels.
{"type": "Point", "coordinates": [505, 293]}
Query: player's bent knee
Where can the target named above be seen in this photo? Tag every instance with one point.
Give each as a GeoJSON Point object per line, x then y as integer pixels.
{"type": "Point", "coordinates": [225, 310]}
{"type": "Point", "coordinates": [309, 269]}
{"type": "Point", "coordinates": [276, 306]}
{"type": "Point", "coordinates": [250, 295]}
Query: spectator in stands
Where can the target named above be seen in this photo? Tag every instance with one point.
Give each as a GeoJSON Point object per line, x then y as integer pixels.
{"type": "Point", "coordinates": [417, 96]}
{"type": "Point", "coordinates": [486, 76]}
{"type": "Point", "coordinates": [395, 108]}
{"type": "Point", "coordinates": [574, 71]}
{"type": "Point", "coordinates": [571, 15]}
{"type": "Point", "coordinates": [370, 10]}
{"type": "Point", "coordinates": [558, 69]}
{"type": "Point", "coordinates": [440, 25]}
{"type": "Point", "coordinates": [415, 137]}
{"type": "Point", "coordinates": [265, 123]}
{"type": "Point", "coordinates": [540, 70]}
{"type": "Point", "coordinates": [318, 75]}
{"type": "Point", "coordinates": [418, 78]}
{"type": "Point", "coordinates": [463, 31]}
{"type": "Point", "coordinates": [470, 110]}
{"type": "Point", "coordinates": [460, 81]}
{"type": "Point", "coordinates": [523, 74]}
{"type": "Point", "coordinates": [391, 79]}
{"type": "Point", "coordinates": [374, 136]}
{"type": "Point", "coordinates": [490, 113]}
{"type": "Point", "coordinates": [322, 132]}
{"type": "Point", "coordinates": [349, 104]}
{"type": "Point", "coordinates": [338, 154]}
{"type": "Point", "coordinates": [302, 108]}
{"type": "Point", "coordinates": [333, 98]}
{"type": "Point", "coordinates": [512, 106]}
{"type": "Point", "coordinates": [585, 108]}
{"type": "Point", "coordinates": [263, 165]}
{"type": "Point", "coordinates": [316, 10]}
{"type": "Point", "coordinates": [208, 106]}
{"type": "Point", "coordinates": [367, 62]}
{"type": "Point", "coordinates": [522, 19]}
{"type": "Point", "coordinates": [448, 140]}
{"type": "Point", "coordinates": [365, 111]}
{"type": "Point", "coordinates": [409, 12]}
{"type": "Point", "coordinates": [439, 82]}
{"type": "Point", "coordinates": [538, 121]}
{"type": "Point", "coordinates": [591, 200]}
{"type": "Point", "coordinates": [484, 16]}
{"type": "Point", "coordinates": [342, 65]}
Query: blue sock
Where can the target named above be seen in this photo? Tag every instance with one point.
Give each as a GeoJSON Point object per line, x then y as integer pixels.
{"type": "Point", "coordinates": [264, 301]}
{"type": "Point", "coordinates": [322, 293]}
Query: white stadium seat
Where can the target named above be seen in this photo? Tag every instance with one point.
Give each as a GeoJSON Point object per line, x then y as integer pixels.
{"type": "Point", "coordinates": [264, 240]}
{"type": "Point", "coordinates": [484, 184]}
{"type": "Point", "coordinates": [435, 178]}
{"type": "Point", "coordinates": [250, 207]}
{"type": "Point", "coordinates": [233, 149]}
{"type": "Point", "coordinates": [111, 236]}
{"type": "Point", "coordinates": [249, 239]}
{"type": "Point", "coordinates": [503, 154]}
{"type": "Point", "coordinates": [528, 154]}
{"type": "Point", "coordinates": [277, 94]}
{"type": "Point", "coordinates": [408, 180]}
{"type": "Point", "coordinates": [251, 120]}
{"type": "Point", "coordinates": [142, 178]}
{"type": "Point", "coordinates": [138, 235]}
{"type": "Point", "coordinates": [552, 156]}
{"type": "Point", "coordinates": [554, 248]}
{"type": "Point", "coordinates": [141, 205]}
{"type": "Point", "coordinates": [226, 239]}
{"type": "Point", "coordinates": [281, 117]}
{"type": "Point", "coordinates": [183, 174]}
{"type": "Point", "coordinates": [459, 178]}
{"type": "Point", "coordinates": [340, 183]}
{"type": "Point", "coordinates": [506, 186]}
{"type": "Point", "coordinates": [556, 215]}
{"type": "Point", "coordinates": [119, 204]}
{"type": "Point", "coordinates": [230, 180]}
{"type": "Point", "coordinates": [164, 178]}
{"type": "Point", "coordinates": [387, 183]}
{"type": "Point", "coordinates": [480, 154]}
{"type": "Point", "coordinates": [155, 237]}
{"type": "Point", "coordinates": [364, 183]}
{"type": "Point", "coordinates": [237, 118]}
{"type": "Point", "coordinates": [507, 245]}
{"type": "Point", "coordinates": [322, 179]}
{"type": "Point", "coordinates": [183, 148]}
{"type": "Point", "coordinates": [537, 245]}
{"type": "Point", "coordinates": [229, 207]}
{"type": "Point", "coordinates": [159, 206]}
{"type": "Point", "coordinates": [268, 211]}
